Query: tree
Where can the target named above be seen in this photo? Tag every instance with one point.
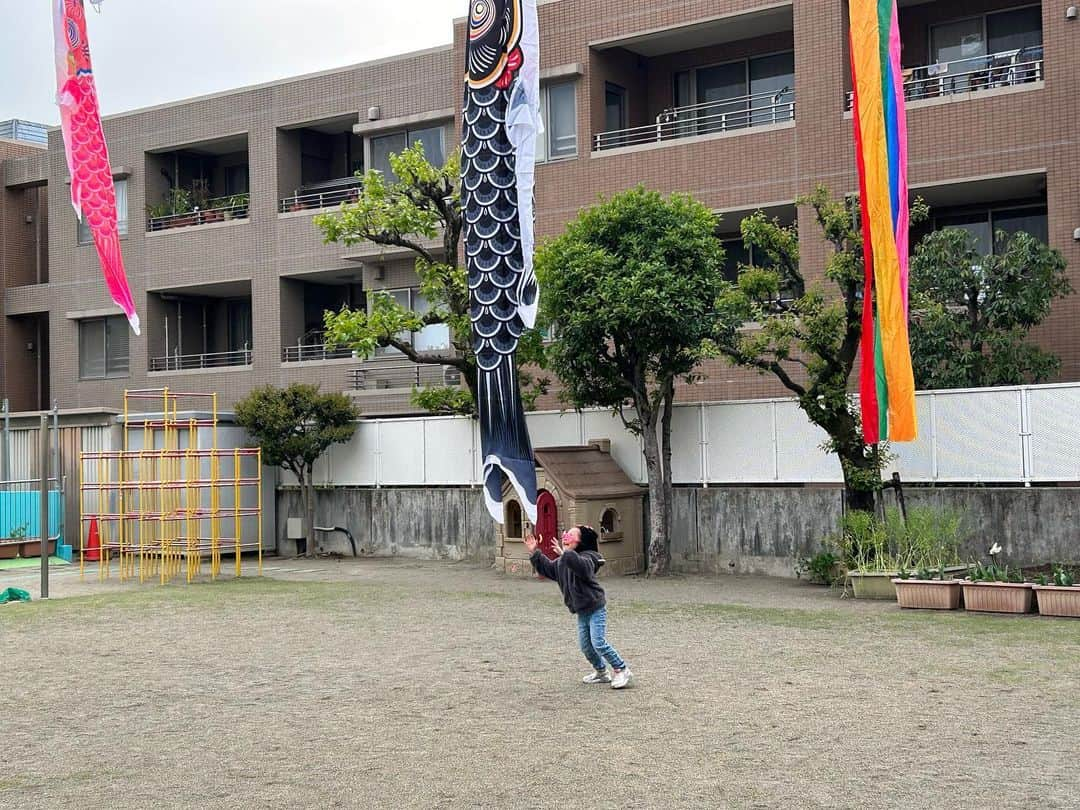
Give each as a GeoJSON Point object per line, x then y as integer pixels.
{"type": "Point", "coordinates": [972, 314]}
{"type": "Point", "coordinates": [806, 336]}
{"type": "Point", "coordinates": [294, 426]}
{"type": "Point", "coordinates": [632, 285]}
{"type": "Point", "coordinates": [421, 203]}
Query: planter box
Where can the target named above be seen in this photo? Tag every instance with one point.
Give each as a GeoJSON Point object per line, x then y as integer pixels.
{"type": "Point", "coordinates": [928, 594]}
{"type": "Point", "coordinates": [34, 549]}
{"type": "Point", "coordinates": [9, 551]}
{"type": "Point", "coordinates": [1055, 600]}
{"type": "Point", "coordinates": [873, 585]}
{"type": "Point", "coordinates": [879, 584]}
{"type": "Point", "coordinates": [998, 597]}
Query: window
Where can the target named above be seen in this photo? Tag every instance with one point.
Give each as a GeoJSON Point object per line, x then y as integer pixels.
{"type": "Point", "coordinates": [609, 523]}
{"type": "Point", "coordinates": [986, 224]}
{"type": "Point", "coordinates": [84, 235]}
{"type": "Point", "coordinates": [239, 324]}
{"type": "Point", "coordinates": [383, 146]}
{"type": "Point", "coordinates": [434, 337]}
{"type": "Point", "coordinates": [236, 180]}
{"type": "Point", "coordinates": [558, 109]}
{"type": "Point", "coordinates": [738, 254]}
{"type": "Point", "coordinates": [513, 520]}
{"type": "Point", "coordinates": [735, 95]}
{"type": "Point", "coordinates": [103, 348]}
{"type": "Point", "coordinates": [970, 41]}
{"type": "Point", "coordinates": [615, 112]}
{"type": "Point", "coordinates": [429, 339]}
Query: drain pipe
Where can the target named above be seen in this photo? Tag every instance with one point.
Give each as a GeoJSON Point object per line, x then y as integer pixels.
{"type": "Point", "coordinates": [346, 532]}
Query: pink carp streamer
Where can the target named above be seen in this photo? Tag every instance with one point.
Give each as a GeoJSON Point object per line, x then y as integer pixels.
{"type": "Point", "coordinates": [93, 194]}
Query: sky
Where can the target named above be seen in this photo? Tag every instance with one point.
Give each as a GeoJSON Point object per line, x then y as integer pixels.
{"type": "Point", "coordinates": [147, 52]}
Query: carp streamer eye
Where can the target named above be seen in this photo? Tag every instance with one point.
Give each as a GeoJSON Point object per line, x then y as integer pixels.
{"type": "Point", "coordinates": [483, 18]}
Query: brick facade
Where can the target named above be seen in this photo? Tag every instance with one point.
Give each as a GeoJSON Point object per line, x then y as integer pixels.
{"type": "Point", "coordinates": [1027, 131]}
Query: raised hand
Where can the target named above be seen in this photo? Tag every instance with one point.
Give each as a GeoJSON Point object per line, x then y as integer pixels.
{"type": "Point", "coordinates": [530, 543]}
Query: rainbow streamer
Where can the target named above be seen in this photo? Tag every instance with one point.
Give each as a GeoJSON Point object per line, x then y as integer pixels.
{"type": "Point", "coordinates": [887, 384]}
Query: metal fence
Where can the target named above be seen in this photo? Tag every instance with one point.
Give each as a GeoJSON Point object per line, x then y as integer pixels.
{"type": "Point", "coordinates": [1021, 435]}
{"type": "Point", "coordinates": [709, 118]}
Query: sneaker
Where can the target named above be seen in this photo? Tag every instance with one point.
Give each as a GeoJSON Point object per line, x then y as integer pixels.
{"type": "Point", "coordinates": [597, 677]}
{"type": "Point", "coordinates": [622, 679]}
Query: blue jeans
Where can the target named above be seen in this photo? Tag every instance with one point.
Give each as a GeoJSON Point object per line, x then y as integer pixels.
{"type": "Point", "coordinates": [591, 629]}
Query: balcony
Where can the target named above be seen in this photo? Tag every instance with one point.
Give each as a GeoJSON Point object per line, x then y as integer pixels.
{"type": "Point", "coordinates": [972, 75]}
{"type": "Point", "coordinates": [318, 164]}
{"type": "Point", "coordinates": [317, 196]}
{"type": "Point", "coordinates": [305, 300]}
{"type": "Point", "coordinates": [202, 184]}
{"type": "Point", "coordinates": [220, 209]}
{"type": "Point", "coordinates": [314, 351]}
{"type": "Point", "coordinates": [379, 376]}
{"type": "Point", "coordinates": [709, 78]}
{"type": "Point", "coordinates": [710, 118]}
{"type": "Point", "coordinates": [202, 327]}
{"type": "Point", "coordinates": [192, 362]}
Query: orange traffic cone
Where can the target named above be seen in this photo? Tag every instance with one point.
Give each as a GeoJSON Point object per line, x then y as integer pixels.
{"type": "Point", "coordinates": [93, 543]}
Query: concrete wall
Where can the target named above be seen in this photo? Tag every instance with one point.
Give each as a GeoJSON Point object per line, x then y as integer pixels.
{"type": "Point", "coordinates": [763, 530]}
{"type": "Point", "coordinates": [442, 524]}
{"type": "Point", "coordinates": [745, 530]}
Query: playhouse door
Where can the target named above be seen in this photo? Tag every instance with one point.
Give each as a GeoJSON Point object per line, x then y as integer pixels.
{"type": "Point", "coordinates": [547, 523]}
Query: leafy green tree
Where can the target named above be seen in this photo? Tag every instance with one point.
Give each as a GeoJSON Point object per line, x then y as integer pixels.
{"type": "Point", "coordinates": [420, 205]}
{"type": "Point", "coordinates": [294, 426]}
{"type": "Point", "coordinates": [972, 314]}
{"type": "Point", "coordinates": [632, 285]}
{"type": "Point", "coordinates": [808, 335]}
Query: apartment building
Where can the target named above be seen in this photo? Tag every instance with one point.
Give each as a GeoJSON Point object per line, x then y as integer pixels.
{"type": "Point", "coordinates": [24, 263]}
{"type": "Point", "coordinates": [743, 103]}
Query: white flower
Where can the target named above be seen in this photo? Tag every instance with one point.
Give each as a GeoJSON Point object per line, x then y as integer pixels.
{"type": "Point", "coordinates": [995, 550]}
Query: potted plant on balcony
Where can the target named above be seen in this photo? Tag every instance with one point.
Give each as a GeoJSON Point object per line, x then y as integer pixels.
{"type": "Point", "coordinates": [167, 213]}
{"type": "Point", "coordinates": [1058, 595]}
{"type": "Point", "coordinates": [927, 589]}
{"type": "Point", "coordinates": [232, 204]}
{"type": "Point", "coordinates": [997, 588]}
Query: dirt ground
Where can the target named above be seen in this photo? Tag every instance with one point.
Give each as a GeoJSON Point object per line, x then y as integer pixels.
{"type": "Point", "coordinates": [380, 684]}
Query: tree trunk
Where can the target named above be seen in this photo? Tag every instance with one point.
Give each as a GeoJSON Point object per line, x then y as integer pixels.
{"type": "Point", "coordinates": [658, 509]}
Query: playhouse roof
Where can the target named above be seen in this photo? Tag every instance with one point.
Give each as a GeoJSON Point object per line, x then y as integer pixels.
{"type": "Point", "coordinates": [586, 473]}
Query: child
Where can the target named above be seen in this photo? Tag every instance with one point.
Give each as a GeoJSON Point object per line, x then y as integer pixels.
{"type": "Point", "coordinates": [575, 570]}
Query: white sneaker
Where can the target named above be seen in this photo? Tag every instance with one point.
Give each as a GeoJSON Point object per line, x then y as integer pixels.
{"type": "Point", "coordinates": [622, 679]}
{"type": "Point", "coordinates": [597, 677]}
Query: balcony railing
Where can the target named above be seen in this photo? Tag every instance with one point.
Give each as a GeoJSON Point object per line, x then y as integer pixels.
{"type": "Point", "coordinates": [220, 209]}
{"type": "Point", "coordinates": [320, 351]}
{"type": "Point", "coordinates": [321, 195]}
{"type": "Point", "coordinates": [382, 376]}
{"type": "Point", "coordinates": [977, 73]}
{"type": "Point", "coordinates": [188, 362]}
{"type": "Point", "coordinates": [712, 117]}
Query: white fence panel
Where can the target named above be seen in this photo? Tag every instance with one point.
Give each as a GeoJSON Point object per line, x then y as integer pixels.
{"type": "Point", "coordinates": [1054, 425]}
{"type": "Point", "coordinates": [740, 442]}
{"type": "Point", "coordinates": [686, 443]}
{"type": "Point", "coordinates": [401, 452]}
{"type": "Point", "coordinates": [355, 463]}
{"type": "Point", "coordinates": [979, 436]}
{"type": "Point", "coordinates": [555, 429]}
{"type": "Point", "coordinates": [448, 451]}
{"type": "Point", "coordinates": [798, 448]}
{"type": "Point", "coordinates": [626, 448]}
{"type": "Point", "coordinates": [915, 460]}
